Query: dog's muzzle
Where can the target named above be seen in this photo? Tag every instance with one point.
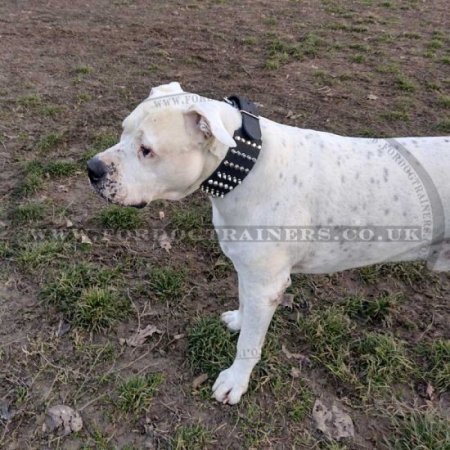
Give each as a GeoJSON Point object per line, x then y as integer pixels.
{"type": "Point", "coordinates": [96, 170]}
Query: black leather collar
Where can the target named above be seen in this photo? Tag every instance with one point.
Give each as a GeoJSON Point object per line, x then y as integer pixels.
{"type": "Point", "coordinates": [239, 160]}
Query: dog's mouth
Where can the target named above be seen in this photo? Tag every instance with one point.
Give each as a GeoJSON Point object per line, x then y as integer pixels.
{"type": "Point", "coordinates": [110, 198]}
{"type": "Point", "coordinates": [139, 205]}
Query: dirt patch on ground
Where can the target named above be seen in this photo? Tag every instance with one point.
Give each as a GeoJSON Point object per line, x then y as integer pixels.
{"type": "Point", "coordinates": [70, 72]}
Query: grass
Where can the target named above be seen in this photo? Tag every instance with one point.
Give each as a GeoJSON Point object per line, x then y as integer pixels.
{"type": "Point", "coordinates": [418, 430]}
{"type": "Point", "coordinates": [101, 141]}
{"type": "Point", "coordinates": [444, 101]}
{"type": "Point", "coordinates": [382, 361]}
{"type": "Point", "coordinates": [404, 83]}
{"type": "Point", "coordinates": [401, 116]}
{"type": "Point", "coordinates": [30, 184]}
{"type": "Point", "coordinates": [83, 70]}
{"type": "Point", "coordinates": [49, 142]}
{"type": "Point", "coordinates": [376, 310]}
{"type": "Point", "coordinates": [328, 333]}
{"type": "Point", "coordinates": [192, 437]}
{"type": "Point", "coordinates": [188, 219]}
{"type": "Point", "coordinates": [412, 274]}
{"type": "Point", "coordinates": [359, 58]}
{"type": "Point", "coordinates": [58, 169]}
{"type": "Point", "coordinates": [437, 368]}
{"type": "Point", "coordinates": [167, 282]}
{"type": "Point", "coordinates": [302, 405]}
{"type": "Point", "coordinates": [33, 255]}
{"type": "Point", "coordinates": [120, 218]}
{"type": "Point", "coordinates": [211, 346]}
{"type": "Point", "coordinates": [87, 296]}
{"type": "Point", "coordinates": [99, 309]}
{"type": "Point", "coordinates": [29, 212]}
{"type": "Point", "coordinates": [136, 393]}
{"type": "Point", "coordinates": [30, 101]}
{"type": "Point", "coordinates": [369, 361]}
{"type": "Point", "coordinates": [280, 50]}
{"type": "Point", "coordinates": [36, 171]}
{"type": "Point", "coordinates": [443, 125]}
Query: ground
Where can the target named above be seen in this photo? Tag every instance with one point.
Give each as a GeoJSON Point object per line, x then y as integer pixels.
{"type": "Point", "coordinates": [79, 278]}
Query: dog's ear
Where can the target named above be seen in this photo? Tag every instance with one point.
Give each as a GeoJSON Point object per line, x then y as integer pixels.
{"type": "Point", "coordinates": [166, 89]}
{"type": "Point", "coordinates": [206, 117]}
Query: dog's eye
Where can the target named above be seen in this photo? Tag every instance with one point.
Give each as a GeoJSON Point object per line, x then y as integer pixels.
{"type": "Point", "coordinates": [147, 151]}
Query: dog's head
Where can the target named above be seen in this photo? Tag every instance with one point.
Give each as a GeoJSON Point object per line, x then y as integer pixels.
{"type": "Point", "coordinates": [170, 143]}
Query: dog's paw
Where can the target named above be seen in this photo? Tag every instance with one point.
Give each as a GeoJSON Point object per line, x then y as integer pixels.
{"type": "Point", "coordinates": [229, 386]}
{"type": "Point", "coordinates": [232, 320]}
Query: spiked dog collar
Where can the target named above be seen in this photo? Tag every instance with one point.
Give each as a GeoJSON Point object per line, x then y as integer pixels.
{"type": "Point", "coordinates": [239, 160]}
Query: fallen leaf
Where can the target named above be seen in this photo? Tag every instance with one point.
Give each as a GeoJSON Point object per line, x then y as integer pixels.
{"type": "Point", "coordinates": [6, 413]}
{"type": "Point", "coordinates": [198, 381]}
{"type": "Point", "coordinates": [85, 239]}
{"type": "Point", "coordinates": [333, 422]}
{"type": "Point", "coordinates": [164, 242]}
{"type": "Point", "coordinates": [430, 391]}
{"type": "Point", "coordinates": [63, 420]}
{"type": "Point", "coordinates": [140, 336]}
{"type": "Point", "coordinates": [63, 328]}
{"type": "Point", "coordinates": [69, 223]}
{"type": "Point", "coordinates": [288, 300]}
{"type": "Point", "coordinates": [303, 360]}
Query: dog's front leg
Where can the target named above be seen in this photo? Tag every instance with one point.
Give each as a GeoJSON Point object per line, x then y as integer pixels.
{"type": "Point", "coordinates": [259, 297]}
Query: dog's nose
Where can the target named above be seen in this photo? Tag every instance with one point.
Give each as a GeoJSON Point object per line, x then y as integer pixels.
{"type": "Point", "coordinates": [96, 169]}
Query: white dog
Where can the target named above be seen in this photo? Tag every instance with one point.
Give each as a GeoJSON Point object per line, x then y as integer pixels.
{"type": "Point", "coordinates": [313, 202]}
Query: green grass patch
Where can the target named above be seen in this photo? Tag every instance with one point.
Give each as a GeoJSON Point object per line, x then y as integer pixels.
{"type": "Point", "coordinates": [30, 101]}
{"type": "Point", "coordinates": [404, 83]}
{"type": "Point", "coordinates": [370, 362]}
{"type": "Point", "coordinates": [5, 250]}
{"type": "Point", "coordinates": [399, 116]}
{"type": "Point", "coordinates": [49, 142]}
{"type": "Point", "coordinates": [302, 405]}
{"type": "Point", "coordinates": [50, 110]}
{"type": "Point", "coordinates": [102, 141]}
{"type": "Point", "coordinates": [99, 309]}
{"type": "Point", "coordinates": [29, 212]}
{"type": "Point", "coordinates": [58, 169]}
{"type": "Point", "coordinates": [120, 218]}
{"type": "Point", "coordinates": [192, 437]}
{"type": "Point", "coordinates": [381, 361]}
{"type": "Point", "coordinates": [88, 296]}
{"type": "Point", "coordinates": [376, 310]}
{"type": "Point", "coordinates": [444, 101]}
{"type": "Point", "coordinates": [32, 255]}
{"type": "Point", "coordinates": [83, 70]}
{"type": "Point", "coordinates": [280, 50]}
{"type": "Point", "coordinates": [388, 68]}
{"type": "Point", "coordinates": [30, 184]}
{"type": "Point", "coordinates": [443, 125]}
{"type": "Point", "coordinates": [136, 393]}
{"type": "Point", "coordinates": [167, 282]}
{"type": "Point", "coordinates": [211, 346]}
{"type": "Point", "coordinates": [359, 58]}
{"type": "Point", "coordinates": [329, 332]}
{"type": "Point", "coordinates": [412, 274]}
{"type": "Point", "coordinates": [414, 430]}
{"type": "Point", "coordinates": [188, 219]}
{"type": "Point", "coordinates": [437, 357]}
